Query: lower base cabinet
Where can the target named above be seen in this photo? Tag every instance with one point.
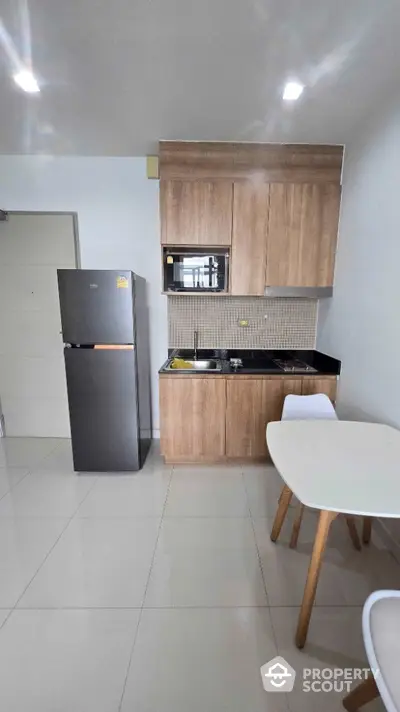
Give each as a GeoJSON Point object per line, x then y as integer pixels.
{"type": "Point", "coordinates": [211, 418]}
{"type": "Point", "coordinates": [313, 384]}
{"type": "Point", "coordinates": [192, 418]}
{"type": "Point", "coordinates": [250, 405]}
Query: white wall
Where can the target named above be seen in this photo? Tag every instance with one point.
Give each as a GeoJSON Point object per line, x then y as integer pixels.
{"type": "Point", "coordinates": [117, 216]}
{"type": "Point", "coordinates": [361, 324]}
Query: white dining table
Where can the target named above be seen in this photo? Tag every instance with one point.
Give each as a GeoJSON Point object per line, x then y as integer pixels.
{"type": "Point", "coordinates": [336, 467]}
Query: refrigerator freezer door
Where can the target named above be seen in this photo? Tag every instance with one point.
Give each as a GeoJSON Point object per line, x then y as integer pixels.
{"type": "Point", "coordinates": [96, 306]}
{"type": "Point", "coordinates": [102, 397]}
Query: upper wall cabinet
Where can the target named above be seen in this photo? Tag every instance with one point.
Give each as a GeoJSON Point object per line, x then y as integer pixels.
{"type": "Point", "coordinates": [196, 212]}
{"type": "Point", "coordinates": [276, 205]}
{"type": "Point", "coordinates": [249, 238]}
{"type": "Point", "coordinates": [302, 234]}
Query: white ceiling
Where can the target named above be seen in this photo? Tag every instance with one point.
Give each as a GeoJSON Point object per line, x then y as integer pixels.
{"type": "Point", "coordinates": [118, 75]}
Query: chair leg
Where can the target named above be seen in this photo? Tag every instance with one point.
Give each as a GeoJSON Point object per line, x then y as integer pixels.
{"type": "Point", "coordinates": [351, 523]}
{"type": "Point", "coordinates": [296, 527]}
{"type": "Point", "coordinates": [325, 520]}
{"type": "Point", "coordinates": [281, 512]}
{"type": "Point", "coordinates": [367, 529]}
{"type": "Point", "coordinates": [361, 695]}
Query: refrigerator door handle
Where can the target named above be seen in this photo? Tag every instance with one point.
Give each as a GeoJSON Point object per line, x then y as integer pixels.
{"type": "Point", "coordinates": [114, 347]}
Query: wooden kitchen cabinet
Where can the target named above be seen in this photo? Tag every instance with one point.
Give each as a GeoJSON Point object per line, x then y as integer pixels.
{"type": "Point", "coordinates": [249, 238]}
{"type": "Point", "coordinates": [314, 384]}
{"type": "Point", "coordinates": [302, 234]}
{"type": "Point", "coordinates": [251, 403]}
{"type": "Point", "coordinates": [192, 418]}
{"type": "Point", "coordinates": [196, 212]}
{"type": "Point", "coordinates": [212, 418]}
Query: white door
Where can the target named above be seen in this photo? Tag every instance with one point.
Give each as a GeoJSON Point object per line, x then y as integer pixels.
{"type": "Point", "coordinates": [32, 377]}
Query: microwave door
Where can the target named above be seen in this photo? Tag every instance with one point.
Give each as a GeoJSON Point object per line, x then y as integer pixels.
{"type": "Point", "coordinates": [189, 273]}
{"type": "Point", "coordinates": [195, 271]}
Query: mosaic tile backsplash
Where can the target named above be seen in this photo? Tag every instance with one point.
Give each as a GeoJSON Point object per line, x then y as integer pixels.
{"type": "Point", "coordinates": [272, 323]}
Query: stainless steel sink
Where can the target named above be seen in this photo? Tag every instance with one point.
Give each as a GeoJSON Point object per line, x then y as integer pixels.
{"type": "Point", "coordinates": [205, 365]}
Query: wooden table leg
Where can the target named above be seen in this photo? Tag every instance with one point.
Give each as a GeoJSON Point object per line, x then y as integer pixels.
{"type": "Point", "coordinates": [367, 529]}
{"type": "Point", "coordinates": [353, 531]}
{"type": "Point", "coordinates": [361, 695]}
{"type": "Point", "coordinates": [296, 527]}
{"type": "Point", "coordinates": [283, 506]}
{"type": "Point", "coordinates": [325, 520]}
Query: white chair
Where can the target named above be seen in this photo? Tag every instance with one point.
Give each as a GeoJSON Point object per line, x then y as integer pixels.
{"type": "Point", "coordinates": [308, 407]}
{"type": "Point", "coordinates": [314, 407]}
{"type": "Point", "coordinates": [381, 632]}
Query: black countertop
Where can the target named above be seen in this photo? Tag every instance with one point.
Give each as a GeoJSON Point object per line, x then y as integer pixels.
{"type": "Point", "coordinates": [262, 360]}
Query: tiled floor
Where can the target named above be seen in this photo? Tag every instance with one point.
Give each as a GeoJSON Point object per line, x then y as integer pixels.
{"type": "Point", "coordinates": [161, 591]}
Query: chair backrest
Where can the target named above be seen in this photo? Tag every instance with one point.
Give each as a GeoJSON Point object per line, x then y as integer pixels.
{"type": "Point", "coordinates": [381, 629]}
{"type": "Point", "coordinates": [314, 407]}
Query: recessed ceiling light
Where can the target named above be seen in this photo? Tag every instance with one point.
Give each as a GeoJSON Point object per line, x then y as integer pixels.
{"type": "Point", "coordinates": [292, 91]}
{"type": "Point", "coordinates": [27, 81]}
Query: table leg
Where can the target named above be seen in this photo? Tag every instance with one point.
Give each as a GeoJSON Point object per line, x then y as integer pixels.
{"type": "Point", "coordinates": [367, 529]}
{"type": "Point", "coordinates": [353, 532]}
{"type": "Point", "coordinates": [361, 695]}
{"type": "Point", "coordinates": [325, 520]}
{"type": "Point", "coordinates": [296, 527]}
{"type": "Point", "coordinates": [283, 506]}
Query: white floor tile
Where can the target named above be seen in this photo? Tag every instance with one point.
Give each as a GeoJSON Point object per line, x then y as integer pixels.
{"type": "Point", "coordinates": [9, 477]}
{"type": "Point", "coordinates": [334, 641]}
{"type": "Point", "coordinates": [205, 629]}
{"type": "Point", "coordinates": [206, 562]}
{"type": "Point", "coordinates": [201, 659]}
{"type": "Point", "coordinates": [24, 544]}
{"type": "Point", "coordinates": [347, 576]}
{"type": "Point", "coordinates": [25, 452]}
{"type": "Point", "coordinates": [263, 487]}
{"type": "Point", "coordinates": [155, 466]}
{"type": "Point", "coordinates": [96, 563]}
{"type": "Point", "coordinates": [221, 468]}
{"type": "Point", "coordinates": [130, 495]}
{"type": "Point", "coordinates": [59, 460]}
{"type": "Point", "coordinates": [46, 495]}
{"type": "Point", "coordinates": [207, 493]}
{"type": "Point", "coordinates": [154, 462]}
{"type": "Point", "coordinates": [3, 615]}
{"type": "Point", "coordinates": [72, 661]}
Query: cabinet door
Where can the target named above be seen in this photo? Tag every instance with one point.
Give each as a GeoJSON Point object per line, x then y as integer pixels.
{"type": "Point", "coordinates": [302, 234]}
{"type": "Point", "coordinates": [249, 238]}
{"type": "Point", "coordinates": [250, 405]}
{"type": "Point", "coordinates": [192, 418]}
{"type": "Point", "coordinates": [313, 384]}
{"type": "Point", "coordinates": [196, 212]}
{"type": "Point", "coordinates": [291, 386]}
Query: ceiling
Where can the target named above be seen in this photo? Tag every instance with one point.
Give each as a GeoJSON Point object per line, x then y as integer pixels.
{"type": "Point", "coordinates": [118, 75]}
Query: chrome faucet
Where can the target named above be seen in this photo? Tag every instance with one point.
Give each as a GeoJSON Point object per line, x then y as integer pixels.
{"type": "Point", "coordinates": [195, 343]}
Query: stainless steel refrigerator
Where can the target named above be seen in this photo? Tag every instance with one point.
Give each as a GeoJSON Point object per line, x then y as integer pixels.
{"type": "Point", "coordinates": [105, 331]}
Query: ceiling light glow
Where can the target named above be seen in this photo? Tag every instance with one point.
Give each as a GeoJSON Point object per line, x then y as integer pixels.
{"type": "Point", "coordinates": [27, 81]}
{"type": "Point", "coordinates": [292, 91]}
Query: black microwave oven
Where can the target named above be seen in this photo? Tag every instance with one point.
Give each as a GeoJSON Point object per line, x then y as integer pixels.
{"type": "Point", "coordinates": [196, 269]}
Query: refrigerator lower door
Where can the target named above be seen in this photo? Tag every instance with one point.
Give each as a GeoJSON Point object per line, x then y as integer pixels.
{"type": "Point", "coordinates": [102, 397]}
